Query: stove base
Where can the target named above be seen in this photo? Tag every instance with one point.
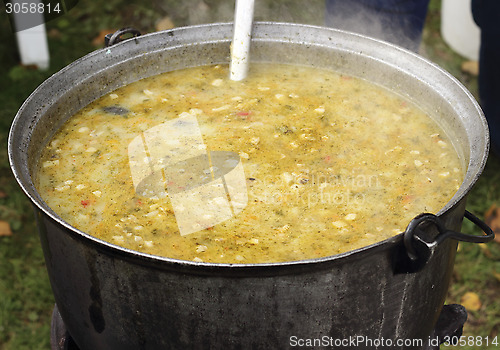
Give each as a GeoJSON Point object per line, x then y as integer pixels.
{"type": "Point", "coordinates": [60, 339]}
{"type": "Point", "coordinates": [450, 323]}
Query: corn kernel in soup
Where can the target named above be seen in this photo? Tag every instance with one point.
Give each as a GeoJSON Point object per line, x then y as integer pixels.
{"type": "Point", "coordinates": [293, 163]}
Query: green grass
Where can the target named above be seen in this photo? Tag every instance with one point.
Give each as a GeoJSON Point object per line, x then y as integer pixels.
{"type": "Point", "coordinates": [476, 265]}
{"type": "Point", "coordinates": [26, 300]}
{"type": "Point", "coordinates": [26, 304]}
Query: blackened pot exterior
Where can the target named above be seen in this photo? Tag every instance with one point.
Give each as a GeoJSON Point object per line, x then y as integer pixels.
{"type": "Point", "coordinates": [113, 298]}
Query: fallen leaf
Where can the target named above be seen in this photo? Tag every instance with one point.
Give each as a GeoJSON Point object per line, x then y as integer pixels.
{"type": "Point", "coordinates": [470, 301]}
{"type": "Point", "coordinates": [164, 24]}
{"type": "Point", "coordinates": [486, 250]}
{"type": "Point", "coordinates": [54, 33]}
{"type": "Point", "coordinates": [3, 194]}
{"type": "Point", "coordinates": [497, 275]}
{"type": "Point", "coordinates": [492, 219]}
{"type": "Point", "coordinates": [490, 210]}
{"type": "Point", "coordinates": [5, 229]}
{"type": "Point", "coordinates": [99, 39]}
{"type": "Point", "coordinates": [471, 67]}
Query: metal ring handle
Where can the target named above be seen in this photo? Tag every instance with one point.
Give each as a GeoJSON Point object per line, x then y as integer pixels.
{"type": "Point", "coordinates": [412, 228]}
{"type": "Point", "coordinates": [488, 236]}
{"type": "Point", "coordinates": [410, 233]}
{"type": "Point", "coordinates": [111, 39]}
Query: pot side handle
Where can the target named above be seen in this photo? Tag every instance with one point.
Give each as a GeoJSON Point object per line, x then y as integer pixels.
{"type": "Point", "coordinates": [116, 37]}
{"type": "Point", "coordinates": [417, 251]}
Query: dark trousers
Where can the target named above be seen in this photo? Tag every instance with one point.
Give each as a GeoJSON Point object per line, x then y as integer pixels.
{"type": "Point", "coordinates": [486, 14]}
{"type": "Point", "coordinates": [397, 21]}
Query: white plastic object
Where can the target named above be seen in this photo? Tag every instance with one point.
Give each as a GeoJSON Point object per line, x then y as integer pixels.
{"type": "Point", "coordinates": [32, 43]}
{"type": "Point", "coordinates": [458, 28]}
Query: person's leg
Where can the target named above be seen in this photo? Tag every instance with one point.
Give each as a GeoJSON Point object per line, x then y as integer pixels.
{"type": "Point", "coordinates": [397, 21]}
{"type": "Point", "coordinates": [487, 16]}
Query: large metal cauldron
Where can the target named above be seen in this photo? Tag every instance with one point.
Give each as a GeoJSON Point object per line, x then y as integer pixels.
{"type": "Point", "coordinates": [113, 298]}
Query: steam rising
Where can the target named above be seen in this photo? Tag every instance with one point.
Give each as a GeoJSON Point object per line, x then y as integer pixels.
{"type": "Point", "coordinates": [396, 21]}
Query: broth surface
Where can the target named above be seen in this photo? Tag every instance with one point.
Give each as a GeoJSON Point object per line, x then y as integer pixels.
{"type": "Point", "coordinates": [293, 163]}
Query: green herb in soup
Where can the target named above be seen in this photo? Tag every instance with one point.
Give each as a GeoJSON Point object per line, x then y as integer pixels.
{"type": "Point", "coordinates": [293, 163]}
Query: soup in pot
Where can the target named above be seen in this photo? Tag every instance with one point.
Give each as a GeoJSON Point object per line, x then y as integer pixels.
{"type": "Point", "coordinates": [293, 163]}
